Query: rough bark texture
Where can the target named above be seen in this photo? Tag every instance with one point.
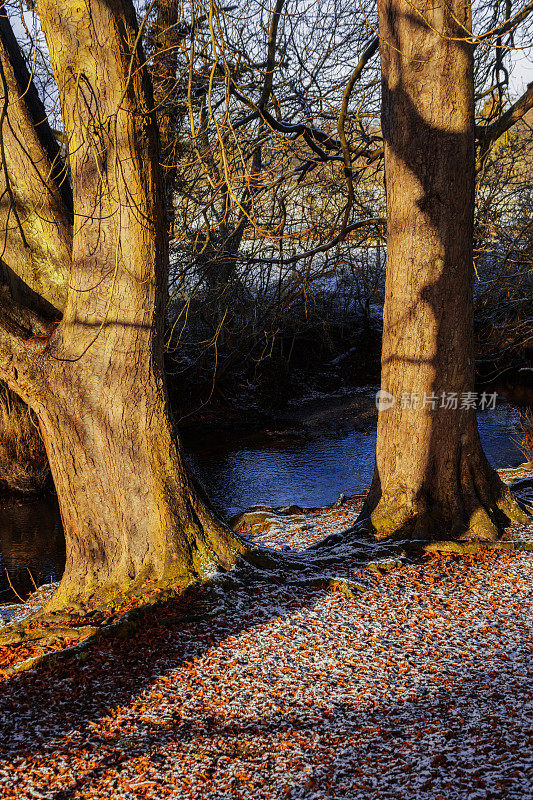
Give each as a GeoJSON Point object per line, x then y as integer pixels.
{"type": "Point", "coordinates": [432, 478]}
{"type": "Point", "coordinates": [167, 33]}
{"type": "Point", "coordinates": [34, 263]}
{"type": "Point", "coordinates": [96, 380]}
{"type": "Point", "coordinates": [36, 225]}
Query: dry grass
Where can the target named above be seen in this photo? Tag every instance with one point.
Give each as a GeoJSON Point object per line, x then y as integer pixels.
{"type": "Point", "coordinates": [23, 462]}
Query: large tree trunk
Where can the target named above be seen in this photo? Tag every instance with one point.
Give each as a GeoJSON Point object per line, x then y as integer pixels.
{"type": "Point", "coordinates": [95, 380]}
{"type": "Point", "coordinates": [130, 512]}
{"type": "Point", "coordinates": [432, 477]}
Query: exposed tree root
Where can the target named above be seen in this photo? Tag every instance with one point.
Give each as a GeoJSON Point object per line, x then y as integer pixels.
{"type": "Point", "coordinates": [48, 634]}
{"type": "Point", "coordinates": [49, 626]}
{"type": "Point", "coordinates": [127, 623]}
{"type": "Point", "coordinates": [116, 616]}
{"type": "Point", "coordinates": [478, 512]}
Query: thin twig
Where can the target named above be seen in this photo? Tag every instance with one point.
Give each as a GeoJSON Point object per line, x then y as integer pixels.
{"type": "Point", "coordinates": [12, 587]}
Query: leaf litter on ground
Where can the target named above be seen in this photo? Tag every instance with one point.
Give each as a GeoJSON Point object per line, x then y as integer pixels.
{"type": "Point", "coordinates": [419, 688]}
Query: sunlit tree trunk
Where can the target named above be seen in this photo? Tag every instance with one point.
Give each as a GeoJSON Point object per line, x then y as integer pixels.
{"type": "Point", "coordinates": [95, 379]}
{"type": "Point", "coordinates": [432, 477]}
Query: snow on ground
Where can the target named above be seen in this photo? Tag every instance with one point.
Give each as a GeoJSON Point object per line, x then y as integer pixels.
{"type": "Point", "coordinates": [420, 688]}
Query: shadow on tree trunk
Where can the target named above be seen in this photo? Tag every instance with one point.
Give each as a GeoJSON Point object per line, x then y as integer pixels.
{"type": "Point", "coordinates": [432, 479]}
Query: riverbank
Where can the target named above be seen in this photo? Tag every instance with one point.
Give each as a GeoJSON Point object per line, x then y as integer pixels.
{"type": "Point", "coordinates": [303, 419]}
{"type": "Point", "coordinates": [314, 408]}
{"type": "Point", "coordinates": [419, 687]}
{"type": "Point", "coordinates": [321, 447]}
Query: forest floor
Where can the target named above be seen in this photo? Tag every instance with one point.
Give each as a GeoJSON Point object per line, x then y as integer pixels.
{"type": "Point", "coordinates": [420, 687]}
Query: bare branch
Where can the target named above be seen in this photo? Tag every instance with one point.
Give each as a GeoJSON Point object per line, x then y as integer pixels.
{"type": "Point", "coordinates": [488, 134]}
{"type": "Point", "coordinates": [363, 223]}
{"type": "Point", "coordinates": [509, 25]}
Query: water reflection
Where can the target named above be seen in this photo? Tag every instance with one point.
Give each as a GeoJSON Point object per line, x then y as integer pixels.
{"type": "Point", "coordinates": [32, 545]}
{"type": "Point", "coordinates": [307, 473]}
{"type": "Point", "coordinates": [268, 471]}
{"type": "Point", "coordinates": [314, 473]}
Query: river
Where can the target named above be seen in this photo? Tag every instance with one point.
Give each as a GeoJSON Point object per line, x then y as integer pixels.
{"type": "Point", "coordinates": [237, 473]}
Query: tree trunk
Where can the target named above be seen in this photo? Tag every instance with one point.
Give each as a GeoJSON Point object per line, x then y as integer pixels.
{"type": "Point", "coordinates": [34, 265]}
{"type": "Point", "coordinates": [167, 33]}
{"type": "Point", "coordinates": [130, 513]}
{"type": "Point", "coordinates": [95, 380]}
{"type": "Point", "coordinates": [432, 478]}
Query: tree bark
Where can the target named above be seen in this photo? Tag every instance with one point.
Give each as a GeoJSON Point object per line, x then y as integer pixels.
{"type": "Point", "coordinates": [130, 512]}
{"type": "Point", "coordinates": [36, 225]}
{"type": "Point", "coordinates": [36, 199]}
{"type": "Point", "coordinates": [131, 516]}
{"type": "Point", "coordinates": [167, 32]}
{"type": "Point", "coordinates": [432, 478]}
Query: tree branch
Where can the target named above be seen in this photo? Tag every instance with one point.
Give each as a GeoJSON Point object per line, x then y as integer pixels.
{"type": "Point", "coordinates": [33, 181]}
{"type": "Point", "coordinates": [363, 223]}
{"type": "Point", "coordinates": [486, 135]}
{"type": "Point", "coordinates": [320, 142]}
{"type": "Point", "coordinates": [7, 179]}
{"type": "Point", "coordinates": [20, 321]}
{"type": "Point", "coordinates": [509, 24]}
{"type": "Point", "coordinates": [35, 108]}
{"type": "Point", "coordinates": [372, 48]}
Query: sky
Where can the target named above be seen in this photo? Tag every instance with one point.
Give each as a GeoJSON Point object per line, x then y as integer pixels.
{"type": "Point", "coordinates": [521, 73]}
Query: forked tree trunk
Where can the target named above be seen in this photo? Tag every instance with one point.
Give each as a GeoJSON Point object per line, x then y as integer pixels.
{"type": "Point", "coordinates": [432, 478]}
{"type": "Point", "coordinates": [96, 381]}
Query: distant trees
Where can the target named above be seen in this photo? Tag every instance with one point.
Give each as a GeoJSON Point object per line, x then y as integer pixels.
{"type": "Point", "coordinates": [280, 155]}
{"type": "Point", "coordinates": [269, 198]}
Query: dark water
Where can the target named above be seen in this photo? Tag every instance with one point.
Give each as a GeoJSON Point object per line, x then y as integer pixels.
{"type": "Point", "coordinates": [32, 545]}
{"type": "Point", "coordinates": [270, 472]}
{"type": "Point", "coordinates": [314, 473]}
